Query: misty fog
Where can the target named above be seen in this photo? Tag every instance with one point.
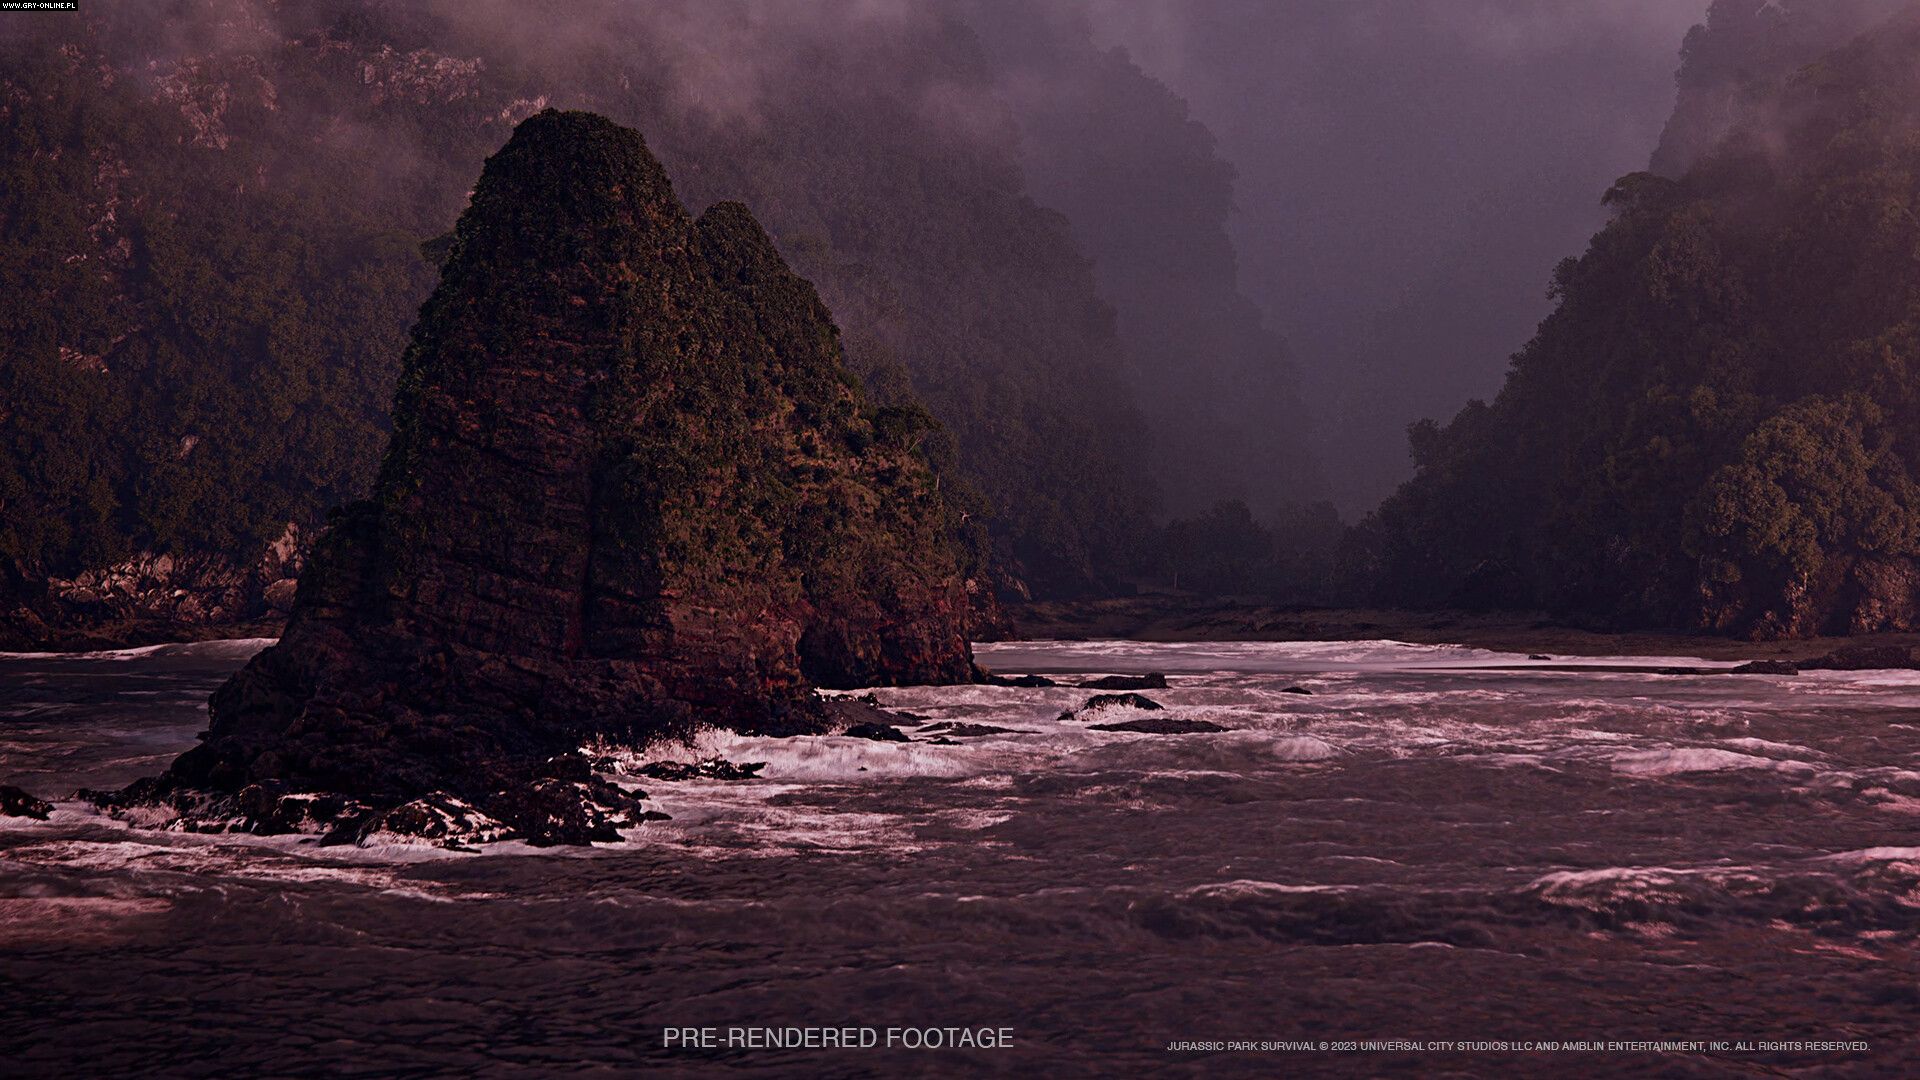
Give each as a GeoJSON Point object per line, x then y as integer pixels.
{"type": "Point", "coordinates": [1409, 171]}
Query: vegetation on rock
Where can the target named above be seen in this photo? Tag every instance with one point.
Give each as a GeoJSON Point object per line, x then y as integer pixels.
{"type": "Point", "coordinates": [631, 488]}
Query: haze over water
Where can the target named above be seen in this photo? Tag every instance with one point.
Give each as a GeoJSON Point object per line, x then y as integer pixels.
{"type": "Point", "coordinates": [1435, 844]}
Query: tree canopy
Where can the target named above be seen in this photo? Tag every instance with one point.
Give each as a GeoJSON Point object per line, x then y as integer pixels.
{"type": "Point", "coordinates": [1716, 426]}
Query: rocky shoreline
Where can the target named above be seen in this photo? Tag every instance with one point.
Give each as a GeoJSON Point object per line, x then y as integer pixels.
{"type": "Point", "coordinates": [132, 634]}
{"type": "Point", "coordinates": [154, 598]}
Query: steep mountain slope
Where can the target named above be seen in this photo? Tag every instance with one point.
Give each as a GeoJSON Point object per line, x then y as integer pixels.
{"type": "Point", "coordinates": [1716, 426]}
{"type": "Point", "coordinates": [1739, 57]}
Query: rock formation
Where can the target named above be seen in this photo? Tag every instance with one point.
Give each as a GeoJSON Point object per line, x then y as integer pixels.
{"type": "Point", "coordinates": [151, 597]}
{"type": "Point", "coordinates": [631, 489]}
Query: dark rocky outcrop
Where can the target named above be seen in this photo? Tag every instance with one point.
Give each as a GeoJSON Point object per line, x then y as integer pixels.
{"type": "Point", "coordinates": [1099, 702]}
{"type": "Point", "coordinates": [438, 818]}
{"type": "Point", "coordinates": [876, 733]}
{"type": "Point", "coordinates": [17, 803]}
{"type": "Point", "coordinates": [710, 769]}
{"type": "Point", "coordinates": [151, 598]}
{"type": "Point", "coordinates": [841, 713]}
{"type": "Point", "coordinates": [631, 490]}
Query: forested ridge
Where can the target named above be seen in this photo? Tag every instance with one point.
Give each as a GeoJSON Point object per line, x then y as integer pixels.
{"type": "Point", "coordinates": [1718, 427]}
{"type": "Point", "coordinates": [217, 223]}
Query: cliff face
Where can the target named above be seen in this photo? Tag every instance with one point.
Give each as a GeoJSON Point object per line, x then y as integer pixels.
{"type": "Point", "coordinates": [631, 488]}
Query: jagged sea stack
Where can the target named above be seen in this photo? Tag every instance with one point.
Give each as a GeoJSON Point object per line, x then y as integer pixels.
{"type": "Point", "coordinates": [631, 486]}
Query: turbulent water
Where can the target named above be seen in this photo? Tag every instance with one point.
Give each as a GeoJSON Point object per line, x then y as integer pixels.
{"type": "Point", "coordinates": [1437, 845]}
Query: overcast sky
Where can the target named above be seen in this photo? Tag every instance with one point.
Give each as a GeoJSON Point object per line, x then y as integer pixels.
{"type": "Point", "coordinates": [1409, 173]}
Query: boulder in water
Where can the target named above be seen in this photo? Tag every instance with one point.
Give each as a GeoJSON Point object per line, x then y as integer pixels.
{"type": "Point", "coordinates": [1765, 667]}
{"type": "Point", "coordinates": [1149, 681]}
{"type": "Point", "coordinates": [962, 730]}
{"type": "Point", "coordinates": [1030, 682]}
{"type": "Point", "coordinates": [1099, 702]}
{"type": "Point", "coordinates": [710, 769]}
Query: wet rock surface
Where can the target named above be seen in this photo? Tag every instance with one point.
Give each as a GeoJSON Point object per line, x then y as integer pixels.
{"type": "Point", "coordinates": [1162, 725]}
{"type": "Point", "coordinates": [1101, 702]}
{"type": "Point", "coordinates": [710, 769]}
{"type": "Point", "coordinates": [17, 803]}
{"type": "Point", "coordinates": [437, 818]}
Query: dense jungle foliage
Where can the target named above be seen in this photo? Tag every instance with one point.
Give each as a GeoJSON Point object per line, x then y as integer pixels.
{"type": "Point", "coordinates": [1716, 427]}
{"type": "Point", "coordinates": [212, 216]}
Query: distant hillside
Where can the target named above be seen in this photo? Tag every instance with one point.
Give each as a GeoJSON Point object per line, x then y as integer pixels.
{"type": "Point", "coordinates": [1719, 425]}
{"type": "Point", "coordinates": [1149, 195]}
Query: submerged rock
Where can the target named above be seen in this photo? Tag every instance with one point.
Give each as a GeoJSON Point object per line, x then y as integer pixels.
{"type": "Point", "coordinates": [1297, 690]}
{"type": "Point", "coordinates": [1161, 725]}
{"type": "Point", "coordinates": [1150, 681]}
{"type": "Point", "coordinates": [962, 730]}
{"type": "Point", "coordinates": [1030, 682]}
{"type": "Point", "coordinates": [876, 732]}
{"type": "Point", "coordinates": [17, 803]}
{"type": "Point", "coordinates": [1765, 667]}
{"type": "Point", "coordinates": [631, 490]}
